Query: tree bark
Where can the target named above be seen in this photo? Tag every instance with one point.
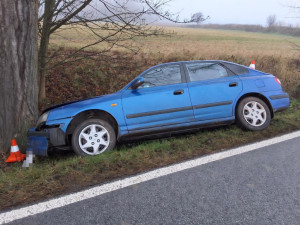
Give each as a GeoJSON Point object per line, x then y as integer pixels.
{"type": "Point", "coordinates": [18, 68]}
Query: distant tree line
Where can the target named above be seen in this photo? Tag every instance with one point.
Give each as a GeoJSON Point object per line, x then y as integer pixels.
{"type": "Point", "coordinates": [276, 28]}
{"type": "Point", "coordinates": [272, 26]}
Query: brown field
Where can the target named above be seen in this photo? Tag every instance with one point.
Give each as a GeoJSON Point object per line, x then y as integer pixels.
{"type": "Point", "coordinates": [202, 43]}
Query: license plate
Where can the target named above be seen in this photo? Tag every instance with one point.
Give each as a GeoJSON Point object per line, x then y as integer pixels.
{"type": "Point", "coordinates": [38, 145]}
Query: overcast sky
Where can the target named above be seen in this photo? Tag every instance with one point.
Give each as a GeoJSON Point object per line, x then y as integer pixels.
{"type": "Point", "coordinates": [238, 11]}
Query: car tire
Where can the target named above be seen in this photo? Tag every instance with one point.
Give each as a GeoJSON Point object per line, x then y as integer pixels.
{"type": "Point", "coordinates": [253, 114]}
{"type": "Point", "coordinates": [93, 137]}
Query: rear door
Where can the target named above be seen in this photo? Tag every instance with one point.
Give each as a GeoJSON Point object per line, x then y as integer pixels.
{"type": "Point", "coordinates": [213, 90]}
{"type": "Point", "coordinates": [162, 101]}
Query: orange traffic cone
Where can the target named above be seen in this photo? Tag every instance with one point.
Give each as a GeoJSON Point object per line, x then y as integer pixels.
{"type": "Point", "coordinates": [252, 65]}
{"type": "Point", "coordinates": [15, 154]}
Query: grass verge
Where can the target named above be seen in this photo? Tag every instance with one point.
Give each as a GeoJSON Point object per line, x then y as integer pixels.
{"type": "Point", "coordinates": [63, 173]}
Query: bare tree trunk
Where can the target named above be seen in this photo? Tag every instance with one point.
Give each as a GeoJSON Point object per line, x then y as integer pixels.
{"type": "Point", "coordinates": [18, 68]}
{"type": "Point", "coordinates": [43, 50]}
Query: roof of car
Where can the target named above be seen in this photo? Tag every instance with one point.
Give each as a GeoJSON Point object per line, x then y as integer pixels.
{"type": "Point", "coordinates": [205, 61]}
{"type": "Point", "coordinates": [233, 68]}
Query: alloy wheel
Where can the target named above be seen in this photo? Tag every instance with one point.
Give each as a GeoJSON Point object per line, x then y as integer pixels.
{"type": "Point", "coordinates": [94, 139]}
{"type": "Point", "coordinates": [254, 113]}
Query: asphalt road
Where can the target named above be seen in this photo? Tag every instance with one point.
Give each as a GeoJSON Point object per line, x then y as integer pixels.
{"type": "Point", "coordinates": [258, 187]}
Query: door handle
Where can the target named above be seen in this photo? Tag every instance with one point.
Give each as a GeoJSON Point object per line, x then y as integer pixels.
{"type": "Point", "coordinates": [233, 84]}
{"type": "Point", "coordinates": [178, 92]}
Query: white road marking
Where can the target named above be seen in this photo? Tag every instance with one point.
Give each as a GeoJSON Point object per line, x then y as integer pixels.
{"type": "Point", "coordinates": [100, 190]}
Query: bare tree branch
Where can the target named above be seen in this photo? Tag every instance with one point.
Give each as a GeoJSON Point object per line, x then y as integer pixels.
{"type": "Point", "coordinates": [59, 23]}
{"type": "Point", "coordinates": [108, 23]}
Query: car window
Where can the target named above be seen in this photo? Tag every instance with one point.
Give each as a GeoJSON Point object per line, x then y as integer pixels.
{"type": "Point", "coordinates": [236, 69]}
{"type": "Point", "coordinates": [162, 75]}
{"type": "Point", "coordinates": [205, 71]}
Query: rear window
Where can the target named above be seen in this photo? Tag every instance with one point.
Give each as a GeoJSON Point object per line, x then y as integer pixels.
{"type": "Point", "coordinates": [199, 71]}
{"type": "Point", "coordinates": [236, 69]}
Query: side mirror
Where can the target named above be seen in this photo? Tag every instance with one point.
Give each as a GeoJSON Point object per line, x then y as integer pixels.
{"type": "Point", "coordinates": [136, 83]}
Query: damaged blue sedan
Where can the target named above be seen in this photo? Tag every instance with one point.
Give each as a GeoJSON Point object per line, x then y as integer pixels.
{"type": "Point", "coordinates": [165, 99]}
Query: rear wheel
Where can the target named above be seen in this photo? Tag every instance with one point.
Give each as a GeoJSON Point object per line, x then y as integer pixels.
{"type": "Point", "coordinates": [93, 137]}
{"type": "Point", "coordinates": [253, 114]}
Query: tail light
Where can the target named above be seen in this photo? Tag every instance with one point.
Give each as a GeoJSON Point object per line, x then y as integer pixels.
{"type": "Point", "coordinates": [277, 80]}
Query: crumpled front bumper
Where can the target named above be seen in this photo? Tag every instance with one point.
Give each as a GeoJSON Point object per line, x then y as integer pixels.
{"type": "Point", "coordinates": [40, 141]}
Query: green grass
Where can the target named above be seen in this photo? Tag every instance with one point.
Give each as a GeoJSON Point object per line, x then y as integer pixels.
{"type": "Point", "coordinates": [65, 172]}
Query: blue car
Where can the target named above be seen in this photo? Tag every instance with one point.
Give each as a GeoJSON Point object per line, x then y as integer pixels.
{"type": "Point", "coordinates": [165, 99]}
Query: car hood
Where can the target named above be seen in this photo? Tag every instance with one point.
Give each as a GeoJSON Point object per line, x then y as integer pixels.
{"type": "Point", "coordinates": [69, 109]}
{"type": "Point", "coordinates": [69, 103]}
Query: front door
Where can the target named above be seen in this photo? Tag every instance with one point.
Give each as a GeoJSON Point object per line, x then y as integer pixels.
{"type": "Point", "coordinates": [162, 101]}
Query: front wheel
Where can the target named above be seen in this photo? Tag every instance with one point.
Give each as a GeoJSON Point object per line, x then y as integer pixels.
{"type": "Point", "coordinates": [93, 137]}
{"type": "Point", "coordinates": [253, 114]}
